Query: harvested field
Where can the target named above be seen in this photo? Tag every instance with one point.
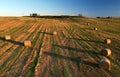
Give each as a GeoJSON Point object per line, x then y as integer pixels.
{"type": "Point", "coordinates": [61, 47]}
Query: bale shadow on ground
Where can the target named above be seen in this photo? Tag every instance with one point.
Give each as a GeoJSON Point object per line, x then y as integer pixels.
{"type": "Point", "coordinates": [12, 41]}
{"type": "Point", "coordinates": [92, 53]}
{"type": "Point", "coordinates": [46, 33]}
{"type": "Point", "coordinates": [73, 49]}
{"type": "Point", "coordinates": [80, 39]}
{"type": "Point", "coordinates": [76, 59]}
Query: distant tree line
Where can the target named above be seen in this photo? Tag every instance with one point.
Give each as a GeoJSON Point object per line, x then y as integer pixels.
{"type": "Point", "coordinates": [37, 15]}
{"type": "Point", "coordinates": [108, 17]}
{"type": "Point", "coordinates": [34, 15]}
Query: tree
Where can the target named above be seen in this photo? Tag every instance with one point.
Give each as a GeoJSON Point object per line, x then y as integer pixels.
{"type": "Point", "coordinates": [80, 15]}
{"type": "Point", "coordinates": [34, 15]}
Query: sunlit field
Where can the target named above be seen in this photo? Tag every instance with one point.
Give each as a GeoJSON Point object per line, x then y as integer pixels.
{"type": "Point", "coordinates": [60, 47]}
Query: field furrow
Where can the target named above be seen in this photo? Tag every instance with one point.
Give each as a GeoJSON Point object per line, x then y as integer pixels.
{"type": "Point", "coordinates": [61, 47]}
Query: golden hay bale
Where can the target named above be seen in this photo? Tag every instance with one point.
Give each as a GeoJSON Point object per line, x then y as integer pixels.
{"type": "Point", "coordinates": [55, 33]}
{"type": "Point", "coordinates": [27, 43]}
{"type": "Point", "coordinates": [88, 24]}
{"type": "Point", "coordinates": [105, 64]}
{"type": "Point", "coordinates": [95, 28]}
{"type": "Point", "coordinates": [106, 52]}
{"type": "Point", "coordinates": [107, 41]}
{"type": "Point", "coordinates": [7, 37]}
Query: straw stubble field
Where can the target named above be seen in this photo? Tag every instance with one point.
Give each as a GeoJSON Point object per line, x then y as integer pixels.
{"type": "Point", "coordinates": [65, 47]}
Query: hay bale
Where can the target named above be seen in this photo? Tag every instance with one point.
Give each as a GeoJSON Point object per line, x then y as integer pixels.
{"type": "Point", "coordinates": [27, 43]}
{"type": "Point", "coordinates": [7, 37]}
{"type": "Point", "coordinates": [54, 33]}
{"type": "Point", "coordinates": [106, 52]}
{"type": "Point", "coordinates": [105, 64]}
{"type": "Point", "coordinates": [95, 28]}
{"type": "Point", "coordinates": [107, 41]}
{"type": "Point", "coordinates": [88, 24]}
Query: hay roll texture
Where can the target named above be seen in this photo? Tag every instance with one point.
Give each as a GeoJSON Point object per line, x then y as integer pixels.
{"type": "Point", "coordinates": [95, 28]}
{"type": "Point", "coordinates": [105, 64]}
{"type": "Point", "coordinates": [27, 43]}
{"type": "Point", "coordinates": [7, 37]}
{"type": "Point", "coordinates": [88, 24]}
{"type": "Point", "coordinates": [107, 41]}
{"type": "Point", "coordinates": [54, 33]}
{"type": "Point", "coordinates": [106, 52]}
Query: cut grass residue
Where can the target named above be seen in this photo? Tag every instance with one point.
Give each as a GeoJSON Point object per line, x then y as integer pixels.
{"type": "Point", "coordinates": [54, 72]}
{"type": "Point", "coordinates": [64, 71]}
{"type": "Point", "coordinates": [34, 63]}
{"type": "Point", "coordinates": [113, 31]}
{"type": "Point", "coordinates": [82, 38]}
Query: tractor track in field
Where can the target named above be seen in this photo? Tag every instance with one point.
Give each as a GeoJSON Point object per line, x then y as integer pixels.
{"type": "Point", "coordinates": [44, 61]}
{"type": "Point", "coordinates": [32, 52]}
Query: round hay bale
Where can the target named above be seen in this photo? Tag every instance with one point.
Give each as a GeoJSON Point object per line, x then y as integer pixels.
{"type": "Point", "coordinates": [106, 52]}
{"type": "Point", "coordinates": [96, 22]}
{"type": "Point", "coordinates": [27, 43]}
{"type": "Point", "coordinates": [95, 28]}
{"type": "Point", "coordinates": [7, 37]}
{"type": "Point", "coordinates": [88, 24]}
{"type": "Point", "coordinates": [105, 64]}
{"type": "Point", "coordinates": [107, 41]}
{"type": "Point", "coordinates": [55, 33]}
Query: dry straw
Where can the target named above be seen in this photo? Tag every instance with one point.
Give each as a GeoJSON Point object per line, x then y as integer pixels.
{"type": "Point", "coordinates": [7, 37]}
{"type": "Point", "coordinates": [41, 51]}
{"type": "Point", "coordinates": [106, 52]}
{"type": "Point", "coordinates": [105, 64]}
{"type": "Point", "coordinates": [107, 41]}
{"type": "Point", "coordinates": [27, 43]}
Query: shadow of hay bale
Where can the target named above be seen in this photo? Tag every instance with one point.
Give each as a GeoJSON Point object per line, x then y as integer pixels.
{"type": "Point", "coordinates": [46, 33]}
{"type": "Point", "coordinates": [12, 41]}
{"type": "Point", "coordinates": [80, 39]}
{"type": "Point", "coordinates": [76, 59]}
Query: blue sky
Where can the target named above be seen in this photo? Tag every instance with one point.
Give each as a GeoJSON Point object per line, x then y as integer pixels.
{"type": "Point", "coordinates": [90, 8]}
